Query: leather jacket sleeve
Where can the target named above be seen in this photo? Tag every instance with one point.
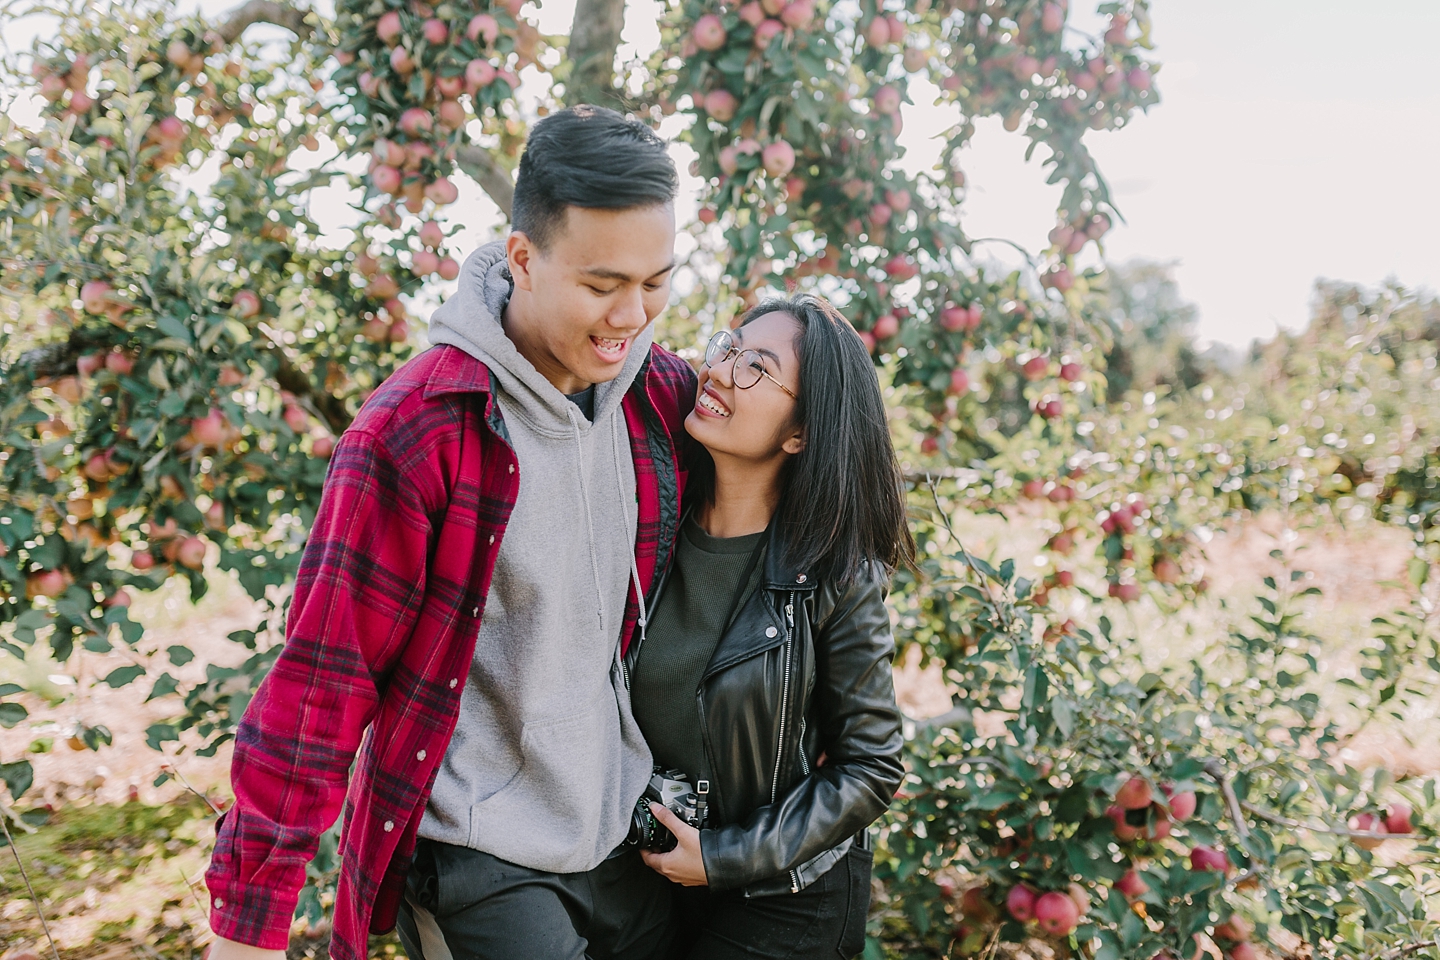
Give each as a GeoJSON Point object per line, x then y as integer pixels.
{"type": "Point", "coordinates": [859, 729]}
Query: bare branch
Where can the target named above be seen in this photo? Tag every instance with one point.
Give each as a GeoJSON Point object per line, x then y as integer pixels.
{"type": "Point", "coordinates": [594, 37]}
{"type": "Point", "coordinates": [1237, 816]}
{"type": "Point", "coordinates": [297, 20]}
{"type": "Point", "coordinates": [1275, 818]}
{"type": "Point", "coordinates": [494, 179]}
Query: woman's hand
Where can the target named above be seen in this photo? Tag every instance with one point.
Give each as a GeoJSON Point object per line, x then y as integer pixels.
{"type": "Point", "coordinates": [683, 865]}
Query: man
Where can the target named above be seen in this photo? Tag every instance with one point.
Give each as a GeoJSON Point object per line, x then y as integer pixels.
{"type": "Point", "coordinates": [488, 524]}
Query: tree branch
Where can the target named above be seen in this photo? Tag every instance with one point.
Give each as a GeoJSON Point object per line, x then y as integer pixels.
{"type": "Point", "coordinates": [493, 178]}
{"type": "Point", "coordinates": [594, 37]}
{"type": "Point", "coordinates": [1275, 818]}
{"type": "Point", "coordinates": [1237, 816]}
{"type": "Point", "coordinates": [297, 20]}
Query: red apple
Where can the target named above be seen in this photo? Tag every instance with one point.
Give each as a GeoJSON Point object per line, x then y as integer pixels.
{"type": "Point", "coordinates": [798, 14]}
{"type": "Point", "coordinates": [435, 31]}
{"type": "Point", "coordinates": [1036, 367]}
{"type": "Point", "coordinates": [1070, 372]}
{"type": "Point", "coordinates": [95, 294]}
{"type": "Point", "coordinates": [752, 13]}
{"type": "Point", "coordinates": [1020, 901]}
{"type": "Point", "coordinates": [877, 32]}
{"type": "Point", "coordinates": [46, 583]}
{"type": "Point", "coordinates": [246, 303]}
{"type": "Point", "coordinates": [387, 28]}
{"type": "Point", "coordinates": [868, 338]}
{"type": "Point", "coordinates": [449, 268]}
{"type": "Point", "coordinates": [1244, 951]}
{"type": "Point", "coordinates": [1131, 884]}
{"type": "Point", "coordinates": [483, 25]}
{"type": "Point", "coordinates": [954, 318]}
{"type": "Point", "coordinates": [416, 121]}
{"type": "Point", "coordinates": [399, 331]}
{"type": "Point", "coordinates": [451, 114]}
{"type": "Point", "coordinates": [442, 192]}
{"type": "Point", "coordinates": [778, 158]}
{"type": "Point", "coordinates": [209, 430]}
{"type": "Point", "coordinates": [296, 418]}
{"type": "Point", "coordinates": [1367, 823]}
{"type": "Point", "coordinates": [479, 73]}
{"type": "Point", "coordinates": [720, 104]}
{"type": "Point", "coordinates": [887, 100]}
{"type": "Point", "coordinates": [959, 382]}
{"type": "Point", "coordinates": [401, 61]}
{"type": "Point", "coordinates": [709, 32]}
{"type": "Point", "coordinates": [1236, 928]}
{"type": "Point", "coordinates": [886, 326]}
{"type": "Point", "coordinates": [1203, 858]}
{"type": "Point", "coordinates": [1398, 818]}
{"type": "Point", "coordinates": [766, 32]}
{"type": "Point", "coordinates": [431, 234]}
{"type": "Point", "coordinates": [88, 363]}
{"type": "Point", "coordinates": [323, 447]}
{"type": "Point", "coordinates": [1124, 832]}
{"type": "Point", "coordinates": [1135, 794]}
{"type": "Point", "coordinates": [1052, 18]}
{"type": "Point", "coordinates": [880, 214]}
{"type": "Point", "coordinates": [142, 560]}
{"type": "Point", "coordinates": [1182, 805]}
{"type": "Point", "coordinates": [119, 362]}
{"type": "Point", "coordinates": [191, 553]}
{"type": "Point", "coordinates": [1056, 913]}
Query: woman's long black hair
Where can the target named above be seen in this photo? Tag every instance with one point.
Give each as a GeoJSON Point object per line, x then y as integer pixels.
{"type": "Point", "coordinates": [842, 499]}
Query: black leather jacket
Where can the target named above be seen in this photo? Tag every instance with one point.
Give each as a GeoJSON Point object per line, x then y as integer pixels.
{"type": "Point", "coordinates": [803, 669]}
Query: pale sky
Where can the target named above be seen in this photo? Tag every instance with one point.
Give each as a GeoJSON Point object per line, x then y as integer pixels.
{"type": "Point", "coordinates": [1297, 139]}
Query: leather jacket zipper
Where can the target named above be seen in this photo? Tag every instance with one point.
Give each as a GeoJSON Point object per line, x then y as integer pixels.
{"type": "Point", "coordinates": [784, 693]}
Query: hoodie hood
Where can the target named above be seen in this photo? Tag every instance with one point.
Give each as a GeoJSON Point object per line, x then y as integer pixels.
{"type": "Point", "coordinates": [471, 320]}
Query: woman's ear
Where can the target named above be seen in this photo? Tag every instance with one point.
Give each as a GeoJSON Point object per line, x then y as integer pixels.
{"type": "Point", "coordinates": [795, 444]}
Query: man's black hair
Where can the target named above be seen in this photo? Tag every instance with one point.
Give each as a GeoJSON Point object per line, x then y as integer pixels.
{"type": "Point", "coordinates": [591, 157]}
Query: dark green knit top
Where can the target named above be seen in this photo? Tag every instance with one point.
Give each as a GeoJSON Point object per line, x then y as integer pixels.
{"type": "Point", "coordinates": [682, 635]}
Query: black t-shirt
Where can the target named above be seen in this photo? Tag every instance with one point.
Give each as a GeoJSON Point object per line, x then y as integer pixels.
{"type": "Point", "coordinates": [681, 638]}
{"type": "Point", "coordinates": [585, 400]}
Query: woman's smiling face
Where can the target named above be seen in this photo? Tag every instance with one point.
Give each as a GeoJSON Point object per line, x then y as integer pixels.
{"type": "Point", "coordinates": [754, 424]}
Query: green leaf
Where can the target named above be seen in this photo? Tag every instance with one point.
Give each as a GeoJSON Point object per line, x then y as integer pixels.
{"type": "Point", "coordinates": [165, 685]}
{"type": "Point", "coordinates": [12, 713]}
{"type": "Point", "coordinates": [18, 777]}
{"type": "Point", "coordinates": [158, 733]}
{"type": "Point", "coordinates": [180, 654]}
{"type": "Point", "coordinates": [121, 676]}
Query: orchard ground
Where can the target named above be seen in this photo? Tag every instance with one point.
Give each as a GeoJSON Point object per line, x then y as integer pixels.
{"type": "Point", "coordinates": [120, 867]}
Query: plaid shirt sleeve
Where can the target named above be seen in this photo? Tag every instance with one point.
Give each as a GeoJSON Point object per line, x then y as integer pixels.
{"type": "Point", "coordinates": [357, 596]}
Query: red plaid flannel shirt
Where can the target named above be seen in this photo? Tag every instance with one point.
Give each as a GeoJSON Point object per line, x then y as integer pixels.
{"type": "Point", "coordinates": [381, 632]}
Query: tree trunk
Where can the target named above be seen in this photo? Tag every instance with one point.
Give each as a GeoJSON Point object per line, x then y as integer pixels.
{"type": "Point", "coordinates": [594, 35]}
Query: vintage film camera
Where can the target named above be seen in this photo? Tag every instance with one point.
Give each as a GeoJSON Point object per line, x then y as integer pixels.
{"type": "Point", "coordinates": [671, 788]}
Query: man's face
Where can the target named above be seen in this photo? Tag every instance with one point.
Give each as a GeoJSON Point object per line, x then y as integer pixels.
{"type": "Point", "coordinates": [603, 279]}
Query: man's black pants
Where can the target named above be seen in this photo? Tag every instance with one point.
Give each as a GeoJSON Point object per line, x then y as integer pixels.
{"type": "Point", "coordinates": [461, 904]}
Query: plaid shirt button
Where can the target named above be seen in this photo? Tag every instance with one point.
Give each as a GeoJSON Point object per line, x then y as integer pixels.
{"type": "Point", "coordinates": [492, 538]}
{"type": "Point", "coordinates": [420, 755]}
{"type": "Point", "coordinates": [219, 904]}
{"type": "Point", "coordinates": [512, 468]}
{"type": "Point", "coordinates": [389, 825]}
{"type": "Point", "coordinates": [452, 684]}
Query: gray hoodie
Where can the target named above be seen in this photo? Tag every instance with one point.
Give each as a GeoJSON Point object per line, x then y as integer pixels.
{"type": "Point", "coordinates": [547, 761]}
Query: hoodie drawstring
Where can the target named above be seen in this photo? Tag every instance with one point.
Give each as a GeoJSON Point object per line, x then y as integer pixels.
{"type": "Point", "coordinates": [590, 523]}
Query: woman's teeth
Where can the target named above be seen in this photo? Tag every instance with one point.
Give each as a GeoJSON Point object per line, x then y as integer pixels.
{"type": "Point", "coordinates": [608, 346]}
{"type": "Point", "coordinates": [713, 405]}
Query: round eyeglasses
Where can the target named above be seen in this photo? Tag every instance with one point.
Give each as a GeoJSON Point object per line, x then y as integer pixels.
{"type": "Point", "coordinates": [747, 366]}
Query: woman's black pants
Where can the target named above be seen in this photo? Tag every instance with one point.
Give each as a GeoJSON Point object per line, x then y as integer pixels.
{"type": "Point", "coordinates": [824, 921]}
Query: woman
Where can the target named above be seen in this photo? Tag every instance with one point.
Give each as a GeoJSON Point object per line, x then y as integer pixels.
{"type": "Point", "coordinates": [764, 668]}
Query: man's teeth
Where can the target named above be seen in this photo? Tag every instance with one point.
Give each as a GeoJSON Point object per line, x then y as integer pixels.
{"type": "Point", "coordinates": [713, 405]}
{"type": "Point", "coordinates": [609, 346]}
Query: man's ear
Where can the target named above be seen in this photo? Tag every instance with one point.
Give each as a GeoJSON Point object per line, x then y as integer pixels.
{"type": "Point", "coordinates": [521, 251]}
{"type": "Point", "coordinates": [795, 444]}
